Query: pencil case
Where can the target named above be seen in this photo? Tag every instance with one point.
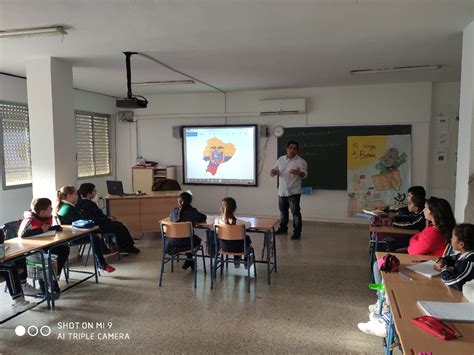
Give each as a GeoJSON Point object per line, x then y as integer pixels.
{"type": "Point", "coordinates": [435, 326]}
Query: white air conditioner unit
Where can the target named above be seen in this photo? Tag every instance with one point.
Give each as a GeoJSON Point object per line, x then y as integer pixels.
{"type": "Point", "coordinates": [283, 106]}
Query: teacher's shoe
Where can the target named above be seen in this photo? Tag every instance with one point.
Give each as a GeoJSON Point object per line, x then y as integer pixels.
{"type": "Point", "coordinates": [295, 236]}
{"type": "Point", "coordinates": [281, 231]}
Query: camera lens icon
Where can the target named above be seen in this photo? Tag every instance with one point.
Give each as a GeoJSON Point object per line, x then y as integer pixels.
{"type": "Point", "coordinates": [33, 330]}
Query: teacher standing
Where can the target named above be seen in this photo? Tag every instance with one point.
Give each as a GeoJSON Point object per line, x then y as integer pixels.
{"type": "Point", "coordinates": [291, 169]}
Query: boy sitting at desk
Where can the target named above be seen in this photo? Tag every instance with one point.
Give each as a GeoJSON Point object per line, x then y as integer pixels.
{"type": "Point", "coordinates": [38, 220]}
{"type": "Point", "coordinates": [12, 276]}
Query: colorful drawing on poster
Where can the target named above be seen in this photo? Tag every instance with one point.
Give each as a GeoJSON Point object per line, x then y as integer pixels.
{"type": "Point", "coordinates": [378, 171]}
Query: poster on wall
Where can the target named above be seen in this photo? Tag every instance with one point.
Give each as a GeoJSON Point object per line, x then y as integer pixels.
{"type": "Point", "coordinates": [378, 171]}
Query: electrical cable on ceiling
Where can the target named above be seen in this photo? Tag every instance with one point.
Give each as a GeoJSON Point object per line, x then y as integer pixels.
{"type": "Point", "coordinates": [180, 72]}
{"type": "Point", "coordinates": [262, 163]}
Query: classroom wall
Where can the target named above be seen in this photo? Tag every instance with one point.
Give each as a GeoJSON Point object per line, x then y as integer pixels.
{"type": "Point", "coordinates": [14, 202]}
{"type": "Point", "coordinates": [400, 103]}
{"type": "Point", "coordinates": [442, 178]}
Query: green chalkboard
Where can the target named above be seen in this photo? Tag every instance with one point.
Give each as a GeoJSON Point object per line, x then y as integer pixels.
{"type": "Point", "coordinates": [325, 150]}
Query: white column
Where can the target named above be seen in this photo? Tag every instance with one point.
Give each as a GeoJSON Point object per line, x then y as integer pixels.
{"type": "Point", "coordinates": [464, 208]}
{"type": "Point", "coordinates": [52, 125]}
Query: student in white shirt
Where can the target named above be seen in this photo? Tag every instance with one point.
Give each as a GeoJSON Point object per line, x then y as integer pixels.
{"type": "Point", "coordinates": [228, 208]}
{"type": "Point", "coordinates": [290, 169]}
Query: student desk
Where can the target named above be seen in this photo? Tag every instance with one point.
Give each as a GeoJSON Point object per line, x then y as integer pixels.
{"type": "Point", "coordinates": [142, 214]}
{"type": "Point", "coordinates": [22, 247]}
{"type": "Point", "coordinates": [375, 236]}
{"type": "Point", "coordinates": [403, 295]}
{"type": "Point", "coordinates": [265, 226]}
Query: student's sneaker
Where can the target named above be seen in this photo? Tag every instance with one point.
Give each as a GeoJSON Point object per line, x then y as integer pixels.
{"type": "Point", "coordinates": [237, 262]}
{"type": "Point", "coordinates": [248, 261]}
{"type": "Point", "coordinates": [188, 264]}
{"type": "Point", "coordinates": [374, 327]}
{"type": "Point", "coordinates": [130, 250]}
{"type": "Point", "coordinates": [374, 308]}
{"type": "Point", "coordinates": [21, 305]}
{"type": "Point", "coordinates": [374, 316]}
{"type": "Point", "coordinates": [107, 268]}
{"type": "Point", "coordinates": [29, 290]}
{"type": "Point", "coordinates": [56, 290]}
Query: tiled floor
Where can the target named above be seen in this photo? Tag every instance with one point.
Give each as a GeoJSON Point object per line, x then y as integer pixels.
{"type": "Point", "coordinates": [313, 305]}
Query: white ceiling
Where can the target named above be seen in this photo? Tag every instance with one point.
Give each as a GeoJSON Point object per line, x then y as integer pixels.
{"type": "Point", "coordinates": [239, 44]}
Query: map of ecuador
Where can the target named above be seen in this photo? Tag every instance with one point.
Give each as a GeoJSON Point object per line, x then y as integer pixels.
{"type": "Point", "coordinates": [216, 153]}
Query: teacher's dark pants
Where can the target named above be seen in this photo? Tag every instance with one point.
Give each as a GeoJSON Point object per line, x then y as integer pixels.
{"type": "Point", "coordinates": [292, 202]}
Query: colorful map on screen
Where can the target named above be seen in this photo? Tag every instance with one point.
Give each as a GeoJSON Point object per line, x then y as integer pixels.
{"type": "Point", "coordinates": [216, 153]}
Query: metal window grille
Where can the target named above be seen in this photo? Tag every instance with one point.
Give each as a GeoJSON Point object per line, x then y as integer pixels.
{"type": "Point", "coordinates": [93, 144]}
{"type": "Point", "coordinates": [16, 144]}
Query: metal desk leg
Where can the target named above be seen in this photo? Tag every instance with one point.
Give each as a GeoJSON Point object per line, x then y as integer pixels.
{"type": "Point", "coordinates": [389, 340]}
{"type": "Point", "coordinates": [94, 256]}
{"type": "Point", "coordinates": [45, 278]}
{"type": "Point", "coordinates": [274, 248]}
{"type": "Point", "coordinates": [267, 238]}
{"type": "Point", "coordinates": [48, 284]}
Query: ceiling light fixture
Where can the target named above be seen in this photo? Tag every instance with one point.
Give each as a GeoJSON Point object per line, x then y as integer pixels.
{"type": "Point", "coordinates": [164, 82]}
{"type": "Point", "coordinates": [396, 69]}
{"type": "Point", "coordinates": [34, 31]}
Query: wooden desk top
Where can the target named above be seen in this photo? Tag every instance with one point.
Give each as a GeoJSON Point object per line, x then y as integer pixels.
{"type": "Point", "coordinates": [393, 230]}
{"type": "Point", "coordinates": [21, 246]}
{"type": "Point", "coordinates": [261, 224]}
{"type": "Point", "coordinates": [403, 295]}
{"type": "Point", "coordinates": [153, 194]}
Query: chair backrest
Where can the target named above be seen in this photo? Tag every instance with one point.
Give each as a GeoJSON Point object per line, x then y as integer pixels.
{"type": "Point", "coordinates": [230, 231]}
{"type": "Point", "coordinates": [177, 230]}
{"type": "Point", "coordinates": [10, 229]}
{"type": "Point", "coordinates": [166, 185]}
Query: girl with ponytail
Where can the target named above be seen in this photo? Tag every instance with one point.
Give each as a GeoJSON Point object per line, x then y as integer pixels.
{"type": "Point", "coordinates": [228, 209]}
{"type": "Point", "coordinates": [67, 213]}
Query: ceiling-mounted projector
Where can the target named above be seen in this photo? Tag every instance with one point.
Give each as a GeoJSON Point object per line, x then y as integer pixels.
{"type": "Point", "coordinates": [131, 101]}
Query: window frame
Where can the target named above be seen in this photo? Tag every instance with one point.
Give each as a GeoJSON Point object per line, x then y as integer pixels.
{"type": "Point", "coordinates": [2, 149]}
{"type": "Point", "coordinates": [109, 119]}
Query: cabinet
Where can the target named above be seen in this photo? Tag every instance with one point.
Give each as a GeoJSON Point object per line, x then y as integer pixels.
{"type": "Point", "coordinates": [144, 178]}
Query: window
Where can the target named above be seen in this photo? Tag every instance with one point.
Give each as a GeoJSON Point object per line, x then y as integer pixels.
{"type": "Point", "coordinates": [93, 144]}
{"type": "Point", "coordinates": [16, 144]}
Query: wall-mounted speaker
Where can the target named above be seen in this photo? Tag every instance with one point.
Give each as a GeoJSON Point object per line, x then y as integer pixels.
{"type": "Point", "coordinates": [177, 132]}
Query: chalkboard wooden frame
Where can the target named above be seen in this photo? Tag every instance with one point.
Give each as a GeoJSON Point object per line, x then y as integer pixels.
{"type": "Point", "coordinates": [327, 155]}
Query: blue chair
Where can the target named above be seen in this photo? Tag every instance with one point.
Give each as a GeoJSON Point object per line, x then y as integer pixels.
{"type": "Point", "coordinates": [231, 232]}
{"type": "Point", "coordinates": [179, 230]}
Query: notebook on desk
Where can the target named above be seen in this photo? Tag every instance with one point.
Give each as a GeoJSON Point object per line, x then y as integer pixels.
{"type": "Point", "coordinates": [425, 268]}
{"type": "Point", "coordinates": [448, 311]}
{"type": "Point", "coordinates": [46, 234]}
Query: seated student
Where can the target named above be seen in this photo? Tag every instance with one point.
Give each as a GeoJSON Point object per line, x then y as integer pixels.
{"type": "Point", "coordinates": [437, 234]}
{"type": "Point", "coordinates": [87, 192]}
{"type": "Point", "coordinates": [185, 213]}
{"type": "Point", "coordinates": [415, 219]}
{"type": "Point", "coordinates": [228, 209]}
{"type": "Point", "coordinates": [12, 277]}
{"type": "Point", "coordinates": [412, 191]}
{"type": "Point", "coordinates": [67, 213]}
{"type": "Point", "coordinates": [458, 269]}
{"type": "Point", "coordinates": [433, 240]}
{"type": "Point", "coordinates": [37, 221]}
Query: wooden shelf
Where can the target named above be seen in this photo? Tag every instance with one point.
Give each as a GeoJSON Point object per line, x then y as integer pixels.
{"type": "Point", "coordinates": [144, 178]}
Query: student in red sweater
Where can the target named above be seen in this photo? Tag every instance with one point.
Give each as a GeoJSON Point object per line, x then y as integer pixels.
{"type": "Point", "coordinates": [437, 235]}
{"type": "Point", "coordinates": [430, 241]}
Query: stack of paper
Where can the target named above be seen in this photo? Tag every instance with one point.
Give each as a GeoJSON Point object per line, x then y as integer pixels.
{"type": "Point", "coordinates": [448, 311]}
{"type": "Point", "coordinates": [425, 268]}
